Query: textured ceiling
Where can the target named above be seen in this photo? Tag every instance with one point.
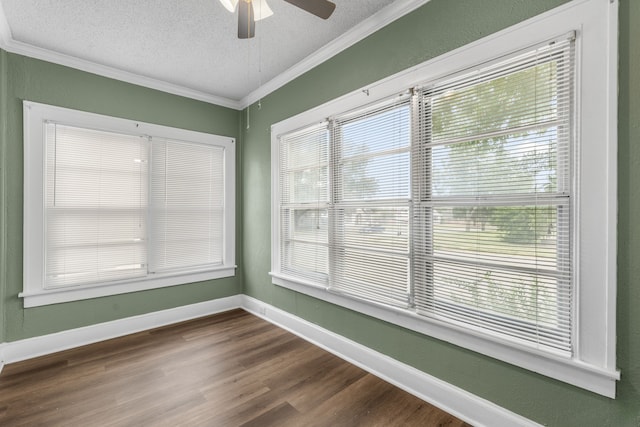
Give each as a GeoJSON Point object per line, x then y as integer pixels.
{"type": "Point", "coordinates": [186, 43]}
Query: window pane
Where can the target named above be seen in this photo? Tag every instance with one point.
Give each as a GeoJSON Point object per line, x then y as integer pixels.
{"type": "Point", "coordinates": [96, 197]}
{"type": "Point", "coordinates": [304, 196]}
{"type": "Point", "coordinates": [377, 131]}
{"type": "Point", "coordinates": [380, 228]}
{"type": "Point", "coordinates": [506, 301]}
{"type": "Point", "coordinates": [379, 177]}
{"type": "Point", "coordinates": [309, 185]}
{"type": "Point", "coordinates": [304, 166]}
{"type": "Point", "coordinates": [493, 225]}
{"type": "Point", "coordinates": [374, 276]}
{"type": "Point", "coordinates": [372, 253]}
{"type": "Point", "coordinates": [519, 95]}
{"type": "Point", "coordinates": [374, 161]}
{"type": "Point", "coordinates": [506, 235]}
{"type": "Point", "coordinates": [370, 249]}
{"type": "Point", "coordinates": [187, 200]}
{"type": "Point", "coordinates": [512, 164]}
{"type": "Point", "coordinates": [306, 249]}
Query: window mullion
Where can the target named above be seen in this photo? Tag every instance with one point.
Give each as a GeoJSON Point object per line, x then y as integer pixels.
{"type": "Point", "coordinates": [335, 239]}
{"type": "Point", "coordinates": [149, 208]}
{"type": "Point", "coordinates": [422, 233]}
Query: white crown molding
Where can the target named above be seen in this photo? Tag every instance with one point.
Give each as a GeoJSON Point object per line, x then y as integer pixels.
{"type": "Point", "coordinates": [351, 37]}
{"type": "Point", "coordinates": [8, 44]}
{"type": "Point", "coordinates": [114, 73]}
{"type": "Point", "coordinates": [367, 27]}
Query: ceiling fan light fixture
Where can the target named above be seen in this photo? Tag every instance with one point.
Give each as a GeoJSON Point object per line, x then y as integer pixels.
{"type": "Point", "coordinates": [250, 11]}
{"type": "Point", "coordinates": [261, 9]}
{"type": "Point", "coordinates": [230, 5]}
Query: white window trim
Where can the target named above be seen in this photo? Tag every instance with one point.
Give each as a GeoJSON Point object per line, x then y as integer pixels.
{"type": "Point", "coordinates": [593, 366]}
{"type": "Point", "coordinates": [34, 294]}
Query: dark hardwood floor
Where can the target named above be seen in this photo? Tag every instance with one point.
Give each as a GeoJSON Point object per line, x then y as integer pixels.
{"type": "Point", "coordinates": [230, 369]}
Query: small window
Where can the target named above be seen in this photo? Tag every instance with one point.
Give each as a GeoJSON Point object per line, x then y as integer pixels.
{"type": "Point", "coordinates": [115, 206]}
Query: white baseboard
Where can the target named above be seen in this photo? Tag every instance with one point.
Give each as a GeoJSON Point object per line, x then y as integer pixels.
{"type": "Point", "coordinates": [2, 346]}
{"type": "Point", "coordinates": [46, 344]}
{"type": "Point", "coordinates": [458, 402]}
{"type": "Point", "coordinates": [454, 400]}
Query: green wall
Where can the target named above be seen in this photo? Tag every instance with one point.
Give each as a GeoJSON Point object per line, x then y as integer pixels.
{"type": "Point", "coordinates": [26, 78]}
{"type": "Point", "coordinates": [438, 27]}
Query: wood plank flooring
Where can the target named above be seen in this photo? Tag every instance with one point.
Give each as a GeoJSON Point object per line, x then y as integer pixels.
{"type": "Point", "coordinates": [230, 369]}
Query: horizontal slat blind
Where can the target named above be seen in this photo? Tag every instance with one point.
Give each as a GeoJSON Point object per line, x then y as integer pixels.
{"type": "Point", "coordinates": [371, 238]}
{"type": "Point", "coordinates": [304, 203]}
{"type": "Point", "coordinates": [96, 197]}
{"type": "Point", "coordinates": [187, 205]}
{"type": "Point", "coordinates": [493, 210]}
{"type": "Point", "coordinates": [453, 200]}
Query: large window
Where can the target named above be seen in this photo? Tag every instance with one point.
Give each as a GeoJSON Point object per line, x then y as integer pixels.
{"type": "Point", "coordinates": [115, 206]}
{"type": "Point", "coordinates": [493, 197]}
{"type": "Point", "coordinates": [460, 203]}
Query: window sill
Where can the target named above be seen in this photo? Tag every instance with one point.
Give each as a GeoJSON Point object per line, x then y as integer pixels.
{"type": "Point", "coordinates": [56, 296]}
{"type": "Point", "coordinates": [573, 371]}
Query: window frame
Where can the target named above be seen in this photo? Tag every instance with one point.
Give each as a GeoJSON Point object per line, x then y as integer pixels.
{"type": "Point", "coordinates": [592, 365]}
{"type": "Point", "coordinates": [34, 292]}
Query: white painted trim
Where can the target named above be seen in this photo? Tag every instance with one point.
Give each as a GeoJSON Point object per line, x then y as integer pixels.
{"type": "Point", "coordinates": [364, 29]}
{"type": "Point", "coordinates": [612, 184]}
{"type": "Point", "coordinates": [111, 72]}
{"type": "Point", "coordinates": [593, 365]}
{"type": "Point", "coordinates": [16, 351]}
{"type": "Point", "coordinates": [367, 27]}
{"type": "Point", "coordinates": [55, 296]}
{"type": "Point", "coordinates": [454, 400]}
{"type": "Point", "coordinates": [580, 374]}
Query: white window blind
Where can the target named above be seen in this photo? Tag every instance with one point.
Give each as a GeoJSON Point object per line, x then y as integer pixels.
{"type": "Point", "coordinates": [493, 208]}
{"type": "Point", "coordinates": [95, 206]}
{"type": "Point", "coordinates": [371, 209]}
{"type": "Point", "coordinates": [304, 203]}
{"type": "Point", "coordinates": [187, 205]}
{"type": "Point", "coordinates": [120, 208]}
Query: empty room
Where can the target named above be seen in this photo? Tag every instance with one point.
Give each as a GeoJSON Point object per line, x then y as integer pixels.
{"type": "Point", "coordinates": [319, 213]}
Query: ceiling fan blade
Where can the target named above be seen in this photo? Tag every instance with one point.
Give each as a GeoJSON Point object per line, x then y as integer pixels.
{"type": "Point", "coordinates": [321, 8]}
{"type": "Point", "coordinates": [246, 21]}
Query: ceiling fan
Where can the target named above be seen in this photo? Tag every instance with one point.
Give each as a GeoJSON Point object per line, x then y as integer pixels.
{"type": "Point", "coordinates": [250, 11]}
